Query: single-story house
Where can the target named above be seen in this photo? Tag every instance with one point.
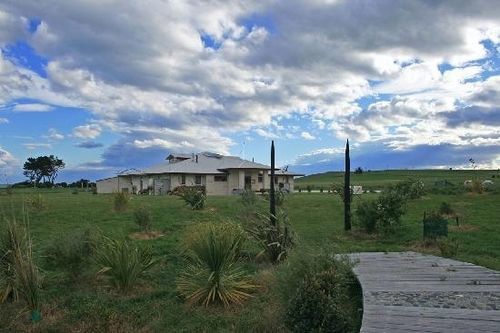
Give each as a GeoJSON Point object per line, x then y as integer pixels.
{"type": "Point", "coordinates": [219, 174]}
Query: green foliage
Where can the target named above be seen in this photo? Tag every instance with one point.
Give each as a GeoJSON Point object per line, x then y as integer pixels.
{"type": "Point", "coordinates": [194, 198]}
{"type": "Point", "coordinates": [280, 197]}
{"type": "Point", "coordinates": [448, 247]}
{"type": "Point", "coordinates": [276, 240]}
{"type": "Point", "coordinates": [435, 225]}
{"type": "Point", "coordinates": [142, 218]}
{"type": "Point", "coordinates": [36, 202]}
{"type": "Point", "coordinates": [19, 274]}
{"type": "Point", "coordinates": [409, 189]}
{"type": "Point", "coordinates": [122, 262]}
{"type": "Point", "coordinates": [75, 191]}
{"type": "Point", "coordinates": [248, 198]}
{"type": "Point", "coordinates": [446, 209]}
{"type": "Point", "coordinates": [309, 188]}
{"type": "Point", "coordinates": [121, 200]}
{"type": "Point", "coordinates": [327, 296]}
{"type": "Point", "coordinates": [212, 274]}
{"type": "Point", "coordinates": [383, 214]}
{"type": "Point", "coordinates": [71, 252]}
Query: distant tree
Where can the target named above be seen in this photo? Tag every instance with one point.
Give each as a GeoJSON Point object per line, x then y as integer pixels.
{"type": "Point", "coordinates": [359, 170]}
{"type": "Point", "coordinates": [44, 168]}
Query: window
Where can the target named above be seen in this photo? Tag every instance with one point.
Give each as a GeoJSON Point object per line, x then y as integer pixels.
{"type": "Point", "coordinates": [220, 178]}
{"type": "Point", "coordinates": [260, 178]}
{"type": "Point", "coordinates": [183, 179]}
{"type": "Point", "coordinates": [197, 180]}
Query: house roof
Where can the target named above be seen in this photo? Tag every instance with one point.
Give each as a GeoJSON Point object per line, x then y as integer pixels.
{"type": "Point", "coordinates": [206, 163]}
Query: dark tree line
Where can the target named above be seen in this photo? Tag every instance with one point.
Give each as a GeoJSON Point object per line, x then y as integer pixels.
{"type": "Point", "coordinates": [42, 169]}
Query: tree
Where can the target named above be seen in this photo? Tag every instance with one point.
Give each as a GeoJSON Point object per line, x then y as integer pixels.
{"type": "Point", "coordinates": [44, 168]}
{"type": "Point", "coordinates": [347, 189]}
{"type": "Point", "coordinates": [358, 171]}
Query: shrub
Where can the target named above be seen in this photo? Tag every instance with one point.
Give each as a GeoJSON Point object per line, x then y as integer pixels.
{"type": "Point", "coordinates": [248, 198]}
{"type": "Point", "coordinates": [122, 262]}
{"type": "Point", "coordinates": [37, 202]}
{"type": "Point", "coordinates": [194, 198]}
{"type": "Point", "coordinates": [71, 252]}
{"type": "Point", "coordinates": [19, 274]}
{"type": "Point", "coordinates": [435, 225]}
{"type": "Point", "coordinates": [280, 197]}
{"type": "Point", "coordinates": [383, 214]}
{"type": "Point", "coordinates": [446, 209]}
{"type": "Point", "coordinates": [309, 188]}
{"type": "Point", "coordinates": [448, 247]}
{"type": "Point", "coordinates": [212, 274]}
{"type": "Point", "coordinates": [409, 189]}
{"type": "Point", "coordinates": [75, 191]}
{"type": "Point", "coordinates": [476, 186]}
{"type": "Point", "coordinates": [120, 200]}
{"type": "Point", "coordinates": [94, 190]}
{"type": "Point", "coordinates": [142, 217]}
{"type": "Point", "coordinates": [276, 240]}
{"type": "Point", "coordinates": [327, 297]}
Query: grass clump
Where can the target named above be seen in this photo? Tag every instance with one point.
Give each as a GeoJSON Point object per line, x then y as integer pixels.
{"type": "Point", "coordinates": [19, 274]}
{"type": "Point", "coordinates": [122, 262]}
{"type": "Point", "coordinates": [212, 274]}
{"type": "Point", "coordinates": [121, 200]}
{"type": "Point", "coordinates": [248, 198]}
{"type": "Point", "coordinates": [448, 247]}
{"type": "Point", "coordinates": [275, 239]}
{"type": "Point", "coordinates": [71, 252]}
{"type": "Point", "coordinates": [194, 197]}
{"type": "Point", "coordinates": [142, 218]}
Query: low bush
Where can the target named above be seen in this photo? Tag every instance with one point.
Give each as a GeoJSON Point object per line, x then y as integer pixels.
{"type": "Point", "coordinates": [212, 274]}
{"type": "Point", "coordinates": [476, 186]}
{"type": "Point", "coordinates": [248, 198]}
{"type": "Point", "coordinates": [446, 209]}
{"type": "Point", "coordinates": [122, 262]}
{"type": "Point", "coordinates": [37, 202]}
{"type": "Point", "coordinates": [383, 214]}
{"type": "Point", "coordinates": [120, 200]}
{"type": "Point", "coordinates": [275, 239]}
{"type": "Point", "coordinates": [309, 188]}
{"type": "Point", "coordinates": [75, 191]}
{"type": "Point", "coordinates": [194, 198]}
{"type": "Point", "coordinates": [142, 218]}
{"type": "Point", "coordinates": [327, 296]}
{"type": "Point", "coordinates": [409, 189]}
{"type": "Point", "coordinates": [71, 252]}
{"type": "Point", "coordinates": [448, 247]}
{"type": "Point", "coordinates": [280, 197]}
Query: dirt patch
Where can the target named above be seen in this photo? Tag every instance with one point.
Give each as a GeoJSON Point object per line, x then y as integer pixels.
{"type": "Point", "coordinates": [146, 235]}
{"type": "Point", "coordinates": [463, 228]}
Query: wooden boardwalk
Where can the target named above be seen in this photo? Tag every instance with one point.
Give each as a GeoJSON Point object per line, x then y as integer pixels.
{"type": "Point", "coordinates": [412, 292]}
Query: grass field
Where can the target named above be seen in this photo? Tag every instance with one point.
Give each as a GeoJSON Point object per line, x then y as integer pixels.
{"type": "Point", "coordinates": [380, 179]}
{"type": "Point", "coordinates": [88, 305]}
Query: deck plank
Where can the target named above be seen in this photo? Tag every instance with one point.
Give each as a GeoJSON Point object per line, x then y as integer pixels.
{"type": "Point", "coordinates": [413, 292]}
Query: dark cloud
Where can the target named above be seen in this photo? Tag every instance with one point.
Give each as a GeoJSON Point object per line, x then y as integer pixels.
{"type": "Point", "coordinates": [89, 145]}
{"type": "Point", "coordinates": [473, 115]}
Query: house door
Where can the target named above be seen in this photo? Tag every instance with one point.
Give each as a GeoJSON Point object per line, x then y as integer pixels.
{"type": "Point", "coordinates": [248, 182]}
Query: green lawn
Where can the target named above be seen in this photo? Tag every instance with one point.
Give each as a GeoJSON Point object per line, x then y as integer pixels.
{"type": "Point", "coordinates": [88, 305]}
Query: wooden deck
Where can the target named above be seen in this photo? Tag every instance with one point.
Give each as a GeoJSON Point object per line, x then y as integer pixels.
{"type": "Point", "coordinates": [412, 292]}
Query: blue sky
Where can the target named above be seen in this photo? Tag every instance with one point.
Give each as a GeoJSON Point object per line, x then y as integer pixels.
{"type": "Point", "coordinates": [106, 87]}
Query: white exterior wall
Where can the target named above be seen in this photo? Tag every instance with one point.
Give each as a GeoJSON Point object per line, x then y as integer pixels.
{"type": "Point", "coordinates": [216, 188]}
{"type": "Point", "coordinates": [109, 185]}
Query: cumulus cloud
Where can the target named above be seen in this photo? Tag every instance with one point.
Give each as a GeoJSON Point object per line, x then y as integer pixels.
{"type": "Point", "coordinates": [418, 62]}
{"type": "Point", "coordinates": [91, 131]}
{"type": "Point", "coordinates": [6, 159]}
{"type": "Point", "coordinates": [307, 136]}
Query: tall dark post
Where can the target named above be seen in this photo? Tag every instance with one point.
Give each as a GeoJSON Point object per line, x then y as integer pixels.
{"type": "Point", "coordinates": [272, 201]}
{"type": "Point", "coordinates": [347, 189]}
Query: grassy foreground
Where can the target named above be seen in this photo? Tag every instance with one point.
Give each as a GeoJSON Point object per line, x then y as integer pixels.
{"type": "Point", "coordinates": [89, 305]}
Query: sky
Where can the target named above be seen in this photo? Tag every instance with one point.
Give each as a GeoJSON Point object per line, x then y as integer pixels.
{"type": "Point", "coordinates": [110, 85]}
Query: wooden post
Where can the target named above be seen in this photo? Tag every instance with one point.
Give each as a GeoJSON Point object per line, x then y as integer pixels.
{"type": "Point", "coordinates": [347, 189]}
{"type": "Point", "coordinates": [272, 199]}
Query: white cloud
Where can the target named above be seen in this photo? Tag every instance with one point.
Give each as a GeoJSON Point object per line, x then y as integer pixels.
{"type": "Point", "coordinates": [4, 121]}
{"type": "Point", "coordinates": [35, 146]}
{"type": "Point", "coordinates": [307, 136]}
{"type": "Point", "coordinates": [265, 134]}
{"type": "Point", "coordinates": [6, 158]}
{"type": "Point", "coordinates": [91, 131]}
{"type": "Point", "coordinates": [33, 107]}
{"type": "Point", "coordinates": [54, 135]}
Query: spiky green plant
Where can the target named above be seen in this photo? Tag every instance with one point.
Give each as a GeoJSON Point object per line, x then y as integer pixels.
{"type": "Point", "coordinates": [212, 274]}
{"type": "Point", "coordinates": [122, 262]}
{"type": "Point", "coordinates": [275, 239]}
{"type": "Point", "coordinates": [19, 274]}
{"type": "Point", "coordinates": [121, 200]}
{"type": "Point", "coordinates": [142, 217]}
